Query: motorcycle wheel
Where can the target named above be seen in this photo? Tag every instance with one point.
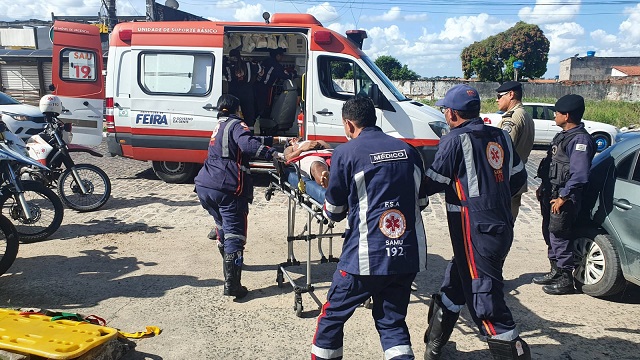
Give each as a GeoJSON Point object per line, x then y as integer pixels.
{"type": "Point", "coordinates": [95, 181]}
{"type": "Point", "coordinates": [45, 206]}
{"type": "Point", "coordinates": [8, 244]}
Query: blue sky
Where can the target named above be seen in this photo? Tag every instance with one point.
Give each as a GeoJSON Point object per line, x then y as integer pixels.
{"type": "Point", "coordinates": [428, 36]}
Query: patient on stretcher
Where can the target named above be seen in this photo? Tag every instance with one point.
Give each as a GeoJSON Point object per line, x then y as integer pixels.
{"type": "Point", "coordinates": [312, 159]}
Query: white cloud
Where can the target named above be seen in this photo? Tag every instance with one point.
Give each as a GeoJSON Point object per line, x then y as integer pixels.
{"type": "Point", "coordinates": [630, 27]}
{"type": "Point", "coordinates": [324, 12]}
{"type": "Point", "coordinates": [550, 11]}
{"type": "Point", "coordinates": [230, 4]}
{"type": "Point", "coordinates": [394, 14]}
{"type": "Point", "coordinates": [563, 38]}
{"type": "Point", "coordinates": [21, 10]}
{"type": "Point", "coordinates": [467, 29]}
{"type": "Point", "coordinates": [603, 37]}
{"type": "Point", "coordinates": [249, 13]}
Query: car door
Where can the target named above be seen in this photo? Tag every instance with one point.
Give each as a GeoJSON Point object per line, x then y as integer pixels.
{"type": "Point", "coordinates": [541, 125]}
{"type": "Point", "coordinates": [78, 80]}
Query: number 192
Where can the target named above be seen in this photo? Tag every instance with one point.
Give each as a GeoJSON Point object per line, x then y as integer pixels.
{"type": "Point", "coordinates": [395, 251]}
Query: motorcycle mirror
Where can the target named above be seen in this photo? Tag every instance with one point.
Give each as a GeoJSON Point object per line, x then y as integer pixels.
{"type": "Point", "coordinates": [68, 127]}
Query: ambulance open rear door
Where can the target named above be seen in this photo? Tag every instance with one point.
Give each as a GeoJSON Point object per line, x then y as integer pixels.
{"type": "Point", "coordinates": [78, 80]}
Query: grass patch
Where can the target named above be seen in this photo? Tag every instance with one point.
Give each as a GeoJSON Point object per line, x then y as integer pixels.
{"type": "Point", "coordinates": [616, 113]}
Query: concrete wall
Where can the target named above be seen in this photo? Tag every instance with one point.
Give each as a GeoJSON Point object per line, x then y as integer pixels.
{"type": "Point", "coordinates": [589, 68]}
{"type": "Point", "coordinates": [433, 90]}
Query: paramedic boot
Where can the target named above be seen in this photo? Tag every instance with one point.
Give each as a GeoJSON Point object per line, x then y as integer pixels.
{"type": "Point", "coordinates": [515, 349]}
{"type": "Point", "coordinates": [233, 273]}
{"type": "Point", "coordinates": [441, 322]}
{"type": "Point", "coordinates": [550, 277]}
{"type": "Point", "coordinates": [221, 250]}
{"type": "Point", "coordinates": [213, 234]}
{"type": "Point", "coordinates": [562, 286]}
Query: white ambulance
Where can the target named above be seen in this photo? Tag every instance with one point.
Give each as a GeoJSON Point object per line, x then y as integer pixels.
{"type": "Point", "coordinates": [164, 78]}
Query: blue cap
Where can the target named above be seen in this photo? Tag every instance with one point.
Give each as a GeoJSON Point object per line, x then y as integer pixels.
{"type": "Point", "coordinates": [461, 97]}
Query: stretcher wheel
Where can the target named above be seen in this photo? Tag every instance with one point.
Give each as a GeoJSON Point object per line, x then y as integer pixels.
{"type": "Point", "coordinates": [368, 304]}
{"type": "Point", "coordinates": [298, 307]}
{"type": "Point", "coordinates": [280, 279]}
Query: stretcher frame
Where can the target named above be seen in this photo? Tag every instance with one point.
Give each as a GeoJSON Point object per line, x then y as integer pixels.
{"type": "Point", "coordinates": [298, 197]}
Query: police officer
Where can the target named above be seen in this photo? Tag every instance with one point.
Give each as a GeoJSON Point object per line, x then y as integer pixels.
{"type": "Point", "coordinates": [376, 180]}
{"type": "Point", "coordinates": [478, 170]}
{"type": "Point", "coordinates": [519, 124]}
{"type": "Point", "coordinates": [225, 187]}
{"type": "Point", "coordinates": [564, 172]}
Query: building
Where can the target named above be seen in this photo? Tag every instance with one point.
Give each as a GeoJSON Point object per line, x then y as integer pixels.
{"type": "Point", "coordinates": [592, 68]}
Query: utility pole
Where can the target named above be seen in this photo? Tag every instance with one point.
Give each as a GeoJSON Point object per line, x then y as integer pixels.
{"type": "Point", "coordinates": [111, 15]}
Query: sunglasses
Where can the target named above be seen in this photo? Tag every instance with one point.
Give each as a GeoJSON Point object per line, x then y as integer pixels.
{"type": "Point", "coordinates": [443, 109]}
{"type": "Point", "coordinates": [500, 95]}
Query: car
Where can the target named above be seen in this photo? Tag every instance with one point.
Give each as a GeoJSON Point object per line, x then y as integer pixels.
{"type": "Point", "coordinates": [546, 128]}
{"type": "Point", "coordinates": [607, 246]}
{"type": "Point", "coordinates": [22, 119]}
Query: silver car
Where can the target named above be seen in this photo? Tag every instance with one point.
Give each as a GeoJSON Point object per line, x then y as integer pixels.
{"type": "Point", "coordinates": [22, 119]}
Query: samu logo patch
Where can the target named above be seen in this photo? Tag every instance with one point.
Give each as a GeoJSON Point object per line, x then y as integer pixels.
{"type": "Point", "coordinates": [392, 223]}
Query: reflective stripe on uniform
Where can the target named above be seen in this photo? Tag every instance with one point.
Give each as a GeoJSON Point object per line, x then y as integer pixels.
{"type": "Point", "coordinates": [507, 139]}
{"type": "Point", "coordinates": [421, 236]}
{"type": "Point", "coordinates": [225, 137]}
{"type": "Point", "coordinates": [333, 208]}
{"type": "Point", "coordinates": [326, 353]}
{"type": "Point", "coordinates": [266, 78]}
{"type": "Point", "coordinates": [235, 236]}
{"type": "Point", "coordinates": [472, 176]}
{"type": "Point", "coordinates": [257, 154]}
{"type": "Point", "coordinates": [363, 205]}
{"type": "Point", "coordinates": [507, 336]}
{"type": "Point", "coordinates": [453, 208]}
{"type": "Point", "coordinates": [437, 177]}
{"type": "Point", "coordinates": [399, 350]}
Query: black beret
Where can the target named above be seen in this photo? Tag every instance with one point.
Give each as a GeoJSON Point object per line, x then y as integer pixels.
{"type": "Point", "coordinates": [509, 85]}
{"type": "Point", "coordinates": [569, 103]}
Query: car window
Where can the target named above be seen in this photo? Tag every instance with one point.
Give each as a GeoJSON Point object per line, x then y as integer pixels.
{"type": "Point", "coordinates": [331, 70]}
{"type": "Point", "coordinates": [548, 113]}
{"type": "Point", "coordinates": [529, 109]}
{"type": "Point", "coordinates": [624, 166]}
{"type": "Point", "coordinates": [636, 172]}
{"type": "Point", "coordinates": [7, 100]}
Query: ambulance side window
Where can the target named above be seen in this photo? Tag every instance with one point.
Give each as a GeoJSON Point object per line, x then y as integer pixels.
{"type": "Point", "coordinates": [123, 85]}
{"type": "Point", "coordinates": [189, 74]}
{"type": "Point", "coordinates": [342, 78]}
{"type": "Point", "coordinates": [78, 65]}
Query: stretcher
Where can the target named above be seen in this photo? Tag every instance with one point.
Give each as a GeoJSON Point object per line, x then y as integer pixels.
{"type": "Point", "coordinates": [303, 192]}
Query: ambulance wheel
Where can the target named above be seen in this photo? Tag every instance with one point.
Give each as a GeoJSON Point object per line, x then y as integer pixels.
{"type": "Point", "coordinates": [174, 172]}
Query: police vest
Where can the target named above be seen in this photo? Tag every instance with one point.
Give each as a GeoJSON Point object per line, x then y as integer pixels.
{"type": "Point", "coordinates": [559, 166]}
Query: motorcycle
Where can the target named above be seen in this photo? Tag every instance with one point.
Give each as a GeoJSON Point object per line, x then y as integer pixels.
{"type": "Point", "coordinates": [8, 244]}
{"type": "Point", "coordinates": [35, 210]}
{"type": "Point", "coordinates": [82, 187]}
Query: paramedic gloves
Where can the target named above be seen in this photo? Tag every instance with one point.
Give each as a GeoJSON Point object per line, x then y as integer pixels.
{"type": "Point", "coordinates": [283, 140]}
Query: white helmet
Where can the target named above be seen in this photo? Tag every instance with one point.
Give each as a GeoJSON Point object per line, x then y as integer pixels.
{"type": "Point", "coordinates": [51, 104]}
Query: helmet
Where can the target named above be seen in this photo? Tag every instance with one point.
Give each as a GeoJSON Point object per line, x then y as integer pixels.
{"type": "Point", "coordinates": [51, 104]}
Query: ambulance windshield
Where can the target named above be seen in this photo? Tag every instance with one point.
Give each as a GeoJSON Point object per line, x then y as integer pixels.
{"type": "Point", "coordinates": [384, 79]}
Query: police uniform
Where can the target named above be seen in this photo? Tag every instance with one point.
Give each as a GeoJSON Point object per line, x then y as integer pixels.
{"type": "Point", "coordinates": [521, 128]}
{"type": "Point", "coordinates": [478, 170]}
{"type": "Point", "coordinates": [564, 173]}
{"type": "Point", "coordinates": [375, 180]}
{"type": "Point", "coordinates": [225, 187]}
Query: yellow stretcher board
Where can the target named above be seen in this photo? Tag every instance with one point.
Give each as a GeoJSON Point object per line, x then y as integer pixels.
{"type": "Point", "coordinates": [61, 339]}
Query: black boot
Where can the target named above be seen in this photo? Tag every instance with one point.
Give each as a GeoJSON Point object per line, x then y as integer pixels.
{"type": "Point", "coordinates": [509, 350]}
{"type": "Point", "coordinates": [550, 277]}
{"type": "Point", "coordinates": [221, 249]}
{"type": "Point", "coordinates": [562, 286]}
{"type": "Point", "coordinates": [233, 273]}
{"type": "Point", "coordinates": [213, 234]}
{"type": "Point", "coordinates": [441, 322]}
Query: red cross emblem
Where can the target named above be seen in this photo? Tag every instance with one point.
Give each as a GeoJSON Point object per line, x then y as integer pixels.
{"type": "Point", "coordinates": [392, 223]}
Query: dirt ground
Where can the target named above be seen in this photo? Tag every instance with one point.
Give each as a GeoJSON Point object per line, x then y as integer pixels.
{"type": "Point", "coordinates": [144, 259]}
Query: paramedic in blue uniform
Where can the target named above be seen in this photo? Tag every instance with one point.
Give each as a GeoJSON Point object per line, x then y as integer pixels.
{"type": "Point", "coordinates": [479, 171]}
{"type": "Point", "coordinates": [376, 182]}
{"type": "Point", "coordinates": [225, 187]}
{"type": "Point", "coordinates": [241, 76]}
{"type": "Point", "coordinates": [564, 172]}
{"type": "Point", "coordinates": [271, 71]}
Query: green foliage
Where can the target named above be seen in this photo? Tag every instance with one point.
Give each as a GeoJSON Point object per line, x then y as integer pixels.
{"type": "Point", "coordinates": [394, 70]}
{"type": "Point", "coordinates": [492, 58]}
{"type": "Point", "coordinates": [339, 69]}
{"type": "Point", "coordinates": [616, 113]}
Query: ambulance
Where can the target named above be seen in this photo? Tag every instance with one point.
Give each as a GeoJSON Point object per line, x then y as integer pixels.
{"type": "Point", "coordinates": [163, 80]}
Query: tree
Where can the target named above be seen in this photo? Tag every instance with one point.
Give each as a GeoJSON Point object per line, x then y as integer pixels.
{"type": "Point", "coordinates": [394, 70]}
{"type": "Point", "coordinates": [492, 58]}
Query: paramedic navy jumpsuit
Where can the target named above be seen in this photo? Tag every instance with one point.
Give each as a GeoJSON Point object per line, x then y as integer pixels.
{"type": "Point", "coordinates": [479, 171]}
{"type": "Point", "coordinates": [378, 180]}
{"type": "Point", "coordinates": [224, 184]}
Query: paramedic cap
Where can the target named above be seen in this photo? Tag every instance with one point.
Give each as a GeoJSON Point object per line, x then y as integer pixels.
{"type": "Point", "coordinates": [277, 51]}
{"type": "Point", "coordinates": [234, 53]}
{"type": "Point", "coordinates": [509, 85]}
{"type": "Point", "coordinates": [569, 103]}
{"type": "Point", "coordinates": [461, 97]}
